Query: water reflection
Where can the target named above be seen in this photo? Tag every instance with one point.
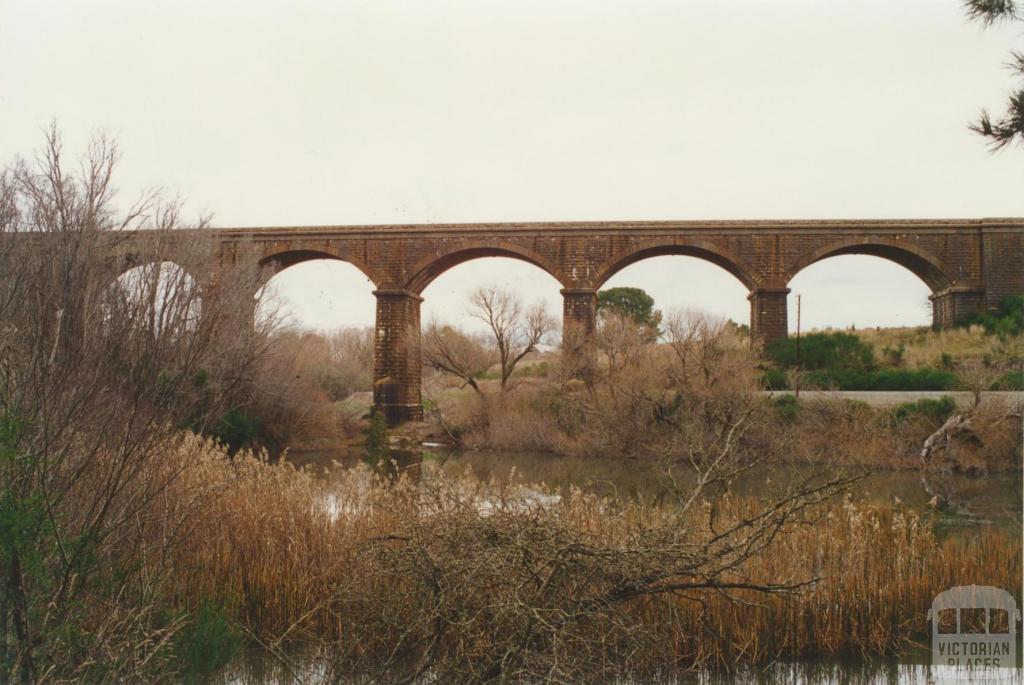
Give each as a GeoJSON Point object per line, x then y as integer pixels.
{"type": "Point", "coordinates": [959, 503]}
{"type": "Point", "coordinates": [258, 668]}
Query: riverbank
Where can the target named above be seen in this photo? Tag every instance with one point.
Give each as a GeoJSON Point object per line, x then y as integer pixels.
{"type": "Point", "coordinates": [890, 398]}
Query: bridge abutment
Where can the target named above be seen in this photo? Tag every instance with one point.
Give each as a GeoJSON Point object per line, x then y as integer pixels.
{"type": "Point", "coordinates": [396, 353]}
{"type": "Point", "coordinates": [952, 305]}
{"type": "Point", "coordinates": [768, 314]}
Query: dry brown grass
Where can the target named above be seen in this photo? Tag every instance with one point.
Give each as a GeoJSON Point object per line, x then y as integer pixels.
{"type": "Point", "coordinates": [447, 575]}
{"type": "Point", "coordinates": [656, 401]}
{"type": "Point", "coordinates": [925, 347]}
{"type": "Point", "coordinates": [843, 432]}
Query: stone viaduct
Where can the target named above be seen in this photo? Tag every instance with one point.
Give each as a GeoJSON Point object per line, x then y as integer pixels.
{"type": "Point", "coordinates": [969, 265]}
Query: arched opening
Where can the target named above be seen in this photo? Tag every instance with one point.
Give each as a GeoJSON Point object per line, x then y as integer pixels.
{"type": "Point", "coordinates": [315, 379]}
{"type": "Point", "coordinates": [706, 252]}
{"type": "Point", "coordinates": [686, 283]}
{"type": "Point", "coordinates": [312, 292]}
{"type": "Point", "coordinates": [433, 266]}
{"type": "Point", "coordinates": [487, 324]}
{"type": "Point", "coordinates": [858, 291]}
{"type": "Point", "coordinates": [915, 260]}
{"type": "Point", "coordinates": [445, 298]}
{"type": "Point", "coordinates": [160, 296]}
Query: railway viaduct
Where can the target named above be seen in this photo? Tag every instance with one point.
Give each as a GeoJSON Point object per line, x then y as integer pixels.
{"type": "Point", "coordinates": [969, 265]}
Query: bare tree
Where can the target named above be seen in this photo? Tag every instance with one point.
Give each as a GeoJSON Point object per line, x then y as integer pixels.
{"type": "Point", "coordinates": [621, 341]}
{"type": "Point", "coordinates": [457, 354]}
{"type": "Point", "coordinates": [710, 357]}
{"type": "Point", "coordinates": [978, 376]}
{"type": "Point", "coordinates": [97, 376]}
{"type": "Point", "coordinates": [517, 330]}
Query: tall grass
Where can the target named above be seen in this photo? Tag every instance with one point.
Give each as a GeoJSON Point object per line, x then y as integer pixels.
{"type": "Point", "coordinates": [368, 572]}
{"type": "Point", "coordinates": [922, 347]}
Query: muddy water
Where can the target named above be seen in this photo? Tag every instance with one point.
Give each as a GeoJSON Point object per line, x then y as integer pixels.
{"type": "Point", "coordinates": [960, 504]}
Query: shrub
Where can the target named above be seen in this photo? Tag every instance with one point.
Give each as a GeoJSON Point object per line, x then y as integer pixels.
{"type": "Point", "coordinates": [774, 379]}
{"type": "Point", "coordinates": [1012, 381]}
{"type": "Point", "coordinates": [538, 370]}
{"type": "Point", "coordinates": [894, 355]}
{"type": "Point", "coordinates": [822, 351]}
{"type": "Point", "coordinates": [884, 379]}
{"type": "Point", "coordinates": [788, 407]}
{"type": "Point", "coordinates": [235, 430]}
{"type": "Point", "coordinates": [377, 444]}
{"type": "Point", "coordinates": [1007, 321]}
{"type": "Point", "coordinates": [207, 644]}
{"type": "Point", "coordinates": [939, 409]}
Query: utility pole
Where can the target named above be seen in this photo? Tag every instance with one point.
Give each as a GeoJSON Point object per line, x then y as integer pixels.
{"type": "Point", "coordinates": [798, 331]}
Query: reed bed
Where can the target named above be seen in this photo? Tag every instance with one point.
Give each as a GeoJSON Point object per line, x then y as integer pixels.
{"type": "Point", "coordinates": [468, 580]}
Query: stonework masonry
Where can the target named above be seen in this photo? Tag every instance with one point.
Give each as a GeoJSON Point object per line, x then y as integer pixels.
{"type": "Point", "coordinates": [969, 264]}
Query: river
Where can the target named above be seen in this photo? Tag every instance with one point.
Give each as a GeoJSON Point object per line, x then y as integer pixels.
{"type": "Point", "coordinates": [961, 506]}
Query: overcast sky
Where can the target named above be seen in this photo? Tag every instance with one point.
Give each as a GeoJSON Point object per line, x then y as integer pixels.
{"type": "Point", "coordinates": [305, 113]}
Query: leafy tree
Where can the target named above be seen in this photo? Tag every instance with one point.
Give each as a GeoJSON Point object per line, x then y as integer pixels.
{"type": "Point", "coordinates": [633, 303]}
{"type": "Point", "coordinates": [1002, 132]}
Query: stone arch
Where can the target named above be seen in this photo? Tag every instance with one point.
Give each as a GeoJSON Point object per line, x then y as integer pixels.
{"type": "Point", "coordinates": [281, 258]}
{"type": "Point", "coordinates": [433, 265]}
{"type": "Point", "coordinates": [124, 263]}
{"type": "Point", "coordinates": [701, 249]}
{"type": "Point", "coordinates": [918, 261]}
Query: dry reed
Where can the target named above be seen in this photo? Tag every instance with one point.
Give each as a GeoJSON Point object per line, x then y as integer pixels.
{"type": "Point", "coordinates": [366, 571]}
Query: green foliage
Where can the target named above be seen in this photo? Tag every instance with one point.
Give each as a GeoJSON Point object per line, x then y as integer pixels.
{"type": "Point", "coordinates": [939, 409]}
{"type": "Point", "coordinates": [235, 430]}
{"type": "Point", "coordinates": [207, 644]}
{"type": "Point", "coordinates": [842, 361]}
{"type": "Point", "coordinates": [946, 361]}
{"type": "Point", "coordinates": [857, 379]}
{"type": "Point", "coordinates": [377, 445]}
{"type": "Point", "coordinates": [539, 370]}
{"type": "Point", "coordinates": [11, 430]}
{"type": "Point", "coordinates": [822, 351]}
{"type": "Point", "coordinates": [787, 406]}
{"type": "Point", "coordinates": [1013, 380]}
{"type": "Point", "coordinates": [633, 303]}
{"type": "Point", "coordinates": [774, 379]}
{"type": "Point", "coordinates": [201, 378]}
{"type": "Point", "coordinates": [894, 355]}
{"type": "Point", "coordinates": [883, 379]}
{"type": "Point", "coordinates": [22, 512]}
{"type": "Point", "coordinates": [1007, 321]}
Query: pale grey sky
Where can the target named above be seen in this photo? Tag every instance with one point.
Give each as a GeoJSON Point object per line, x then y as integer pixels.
{"type": "Point", "coordinates": [275, 113]}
